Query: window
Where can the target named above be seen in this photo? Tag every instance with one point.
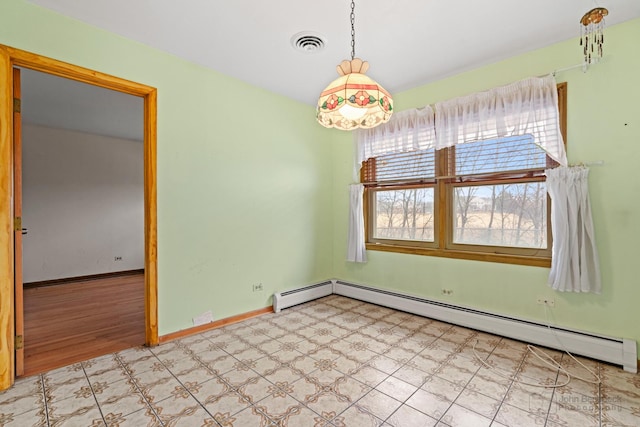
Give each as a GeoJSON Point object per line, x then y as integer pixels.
{"type": "Point", "coordinates": [481, 199]}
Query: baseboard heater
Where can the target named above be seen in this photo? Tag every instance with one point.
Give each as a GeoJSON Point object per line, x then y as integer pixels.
{"type": "Point", "coordinates": [618, 351]}
{"type": "Point", "coordinates": [297, 296]}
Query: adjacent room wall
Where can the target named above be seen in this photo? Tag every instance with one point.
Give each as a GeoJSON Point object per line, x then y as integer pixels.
{"type": "Point", "coordinates": [603, 124]}
{"type": "Point", "coordinates": [83, 204]}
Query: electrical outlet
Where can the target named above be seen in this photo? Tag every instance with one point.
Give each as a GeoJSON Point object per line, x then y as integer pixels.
{"type": "Point", "coordinates": [549, 302]}
{"type": "Point", "coordinates": [118, 258]}
{"type": "Point", "coordinates": [447, 292]}
{"type": "Point", "coordinates": [258, 288]}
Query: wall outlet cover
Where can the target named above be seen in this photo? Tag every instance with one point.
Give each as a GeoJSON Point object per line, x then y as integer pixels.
{"type": "Point", "coordinates": [204, 318]}
{"type": "Point", "coordinates": [549, 302]}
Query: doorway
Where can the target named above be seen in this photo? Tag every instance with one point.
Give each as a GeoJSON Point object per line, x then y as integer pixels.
{"type": "Point", "coordinates": [11, 305]}
{"type": "Point", "coordinates": [82, 220]}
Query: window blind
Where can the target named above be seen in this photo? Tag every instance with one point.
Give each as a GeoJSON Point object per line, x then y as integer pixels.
{"type": "Point", "coordinates": [494, 156]}
{"type": "Point", "coordinates": [398, 168]}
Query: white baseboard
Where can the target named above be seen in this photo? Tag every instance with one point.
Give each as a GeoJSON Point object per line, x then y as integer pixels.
{"type": "Point", "coordinates": [618, 351]}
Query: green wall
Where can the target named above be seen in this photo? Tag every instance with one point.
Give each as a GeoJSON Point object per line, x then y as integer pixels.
{"type": "Point", "coordinates": [603, 124]}
{"type": "Point", "coordinates": [243, 193]}
{"type": "Point", "coordinates": [264, 199]}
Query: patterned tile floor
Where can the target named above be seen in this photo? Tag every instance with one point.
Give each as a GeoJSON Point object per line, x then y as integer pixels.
{"type": "Point", "coordinates": [333, 362]}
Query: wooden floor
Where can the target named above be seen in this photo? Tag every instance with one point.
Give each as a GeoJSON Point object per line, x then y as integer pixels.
{"type": "Point", "coordinates": [69, 322]}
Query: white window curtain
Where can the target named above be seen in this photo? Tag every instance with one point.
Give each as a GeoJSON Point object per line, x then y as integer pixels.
{"type": "Point", "coordinates": [356, 250]}
{"type": "Point", "coordinates": [574, 260]}
{"type": "Point", "coordinates": [408, 130]}
{"type": "Point", "coordinates": [528, 106]}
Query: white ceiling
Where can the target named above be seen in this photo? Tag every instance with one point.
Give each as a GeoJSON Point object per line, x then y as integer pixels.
{"type": "Point", "coordinates": [57, 102]}
{"type": "Point", "coordinates": [407, 42]}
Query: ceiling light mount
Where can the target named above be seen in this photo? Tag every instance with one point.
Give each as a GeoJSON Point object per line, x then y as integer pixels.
{"type": "Point", "coordinates": [353, 100]}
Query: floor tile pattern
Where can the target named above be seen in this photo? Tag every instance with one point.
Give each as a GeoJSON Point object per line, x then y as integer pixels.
{"type": "Point", "coordinates": [333, 362]}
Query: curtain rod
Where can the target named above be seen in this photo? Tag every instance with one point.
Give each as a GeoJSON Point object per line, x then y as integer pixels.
{"type": "Point", "coordinates": [584, 66]}
{"type": "Point", "coordinates": [559, 70]}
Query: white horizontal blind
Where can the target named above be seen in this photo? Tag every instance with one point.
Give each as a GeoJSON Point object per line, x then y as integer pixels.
{"type": "Point", "coordinates": [401, 168]}
{"type": "Point", "coordinates": [480, 158]}
{"type": "Point", "coordinates": [406, 131]}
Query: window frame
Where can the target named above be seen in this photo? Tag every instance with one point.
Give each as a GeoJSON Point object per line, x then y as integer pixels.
{"type": "Point", "coordinates": [444, 187]}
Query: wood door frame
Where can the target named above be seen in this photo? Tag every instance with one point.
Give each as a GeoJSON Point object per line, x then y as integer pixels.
{"type": "Point", "coordinates": [11, 57]}
{"type": "Point", "coordinates": [18, 289]}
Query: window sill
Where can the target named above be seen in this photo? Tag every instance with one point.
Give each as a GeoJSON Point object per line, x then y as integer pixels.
{"type": "Point", "coordinates": [469, 255]}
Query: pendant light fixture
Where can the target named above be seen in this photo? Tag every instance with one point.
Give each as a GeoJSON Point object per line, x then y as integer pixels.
{"type": "Point", "coordinates": [353, 100]}
{"type": "Point", "coordinates": [592, 36]}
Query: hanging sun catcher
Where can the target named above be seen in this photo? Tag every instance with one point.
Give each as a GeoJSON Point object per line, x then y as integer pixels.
{"type": "Point", "coordinates": [592, 36]}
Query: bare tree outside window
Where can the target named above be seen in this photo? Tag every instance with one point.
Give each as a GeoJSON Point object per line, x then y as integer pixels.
{"type": "Point", "coordinates": [404, 214]}
{"type": "Point", "coordinates": [501, 215]}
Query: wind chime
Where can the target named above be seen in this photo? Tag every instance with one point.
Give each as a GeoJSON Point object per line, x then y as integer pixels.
{"type": "Point", "coordinates": [592, 35]}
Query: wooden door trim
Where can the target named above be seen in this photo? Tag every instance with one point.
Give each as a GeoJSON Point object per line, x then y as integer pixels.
{"type": "Point", "coordinates": [18, 287]}
{"type": "Point", "coordinates": [7, 327]}
{"type": "Point", "coordinates": [10, 57]}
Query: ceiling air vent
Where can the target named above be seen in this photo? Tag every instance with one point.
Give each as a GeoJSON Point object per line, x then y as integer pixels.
{"type": "Point", "coordinates": [308, 42]}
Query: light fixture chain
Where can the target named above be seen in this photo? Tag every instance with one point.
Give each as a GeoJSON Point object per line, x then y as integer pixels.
{"type": "Point", "coordinates": [353, 29]}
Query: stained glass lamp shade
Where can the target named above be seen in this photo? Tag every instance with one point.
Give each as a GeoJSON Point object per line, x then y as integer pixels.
{"type": "Point", "coordinates": [353, 100]}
